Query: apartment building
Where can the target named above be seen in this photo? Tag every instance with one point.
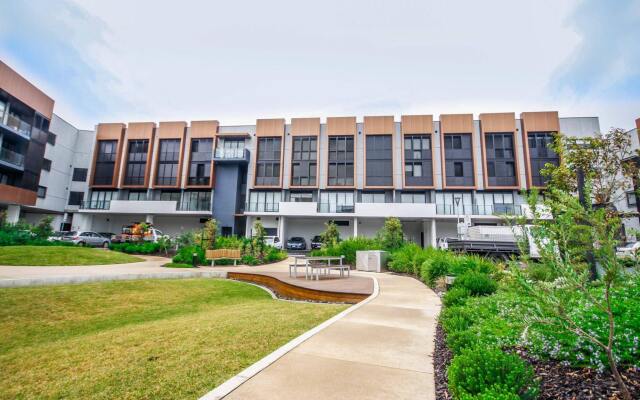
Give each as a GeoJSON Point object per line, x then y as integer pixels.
{"type": "Point", "coordinates": [430, 171]}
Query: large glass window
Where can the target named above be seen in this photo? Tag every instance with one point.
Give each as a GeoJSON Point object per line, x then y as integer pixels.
{"type": "Point", "coordinates": [489, 203]}
{"type": "Point", "coordinates": [418, 167]}
{"type": "Point", "coordinates": [304, 161]}
{"type": "Point", "coordinates": [379, 160]}
{"type": "Point", "coordinates": [230, 148]}
{"type": "Point", "coordinates": [341, 161]}
{"type": "Point", "coordinates": [336, 202]}
{"type": "Point", "coordinates": [500, 157]}
{"type": "Point", "coordinates": [79, 174]}
{"type": "Point", "coordinates": [99, 199]}
{"type": "Point", "coordinates": [458, 155]}
{"type": "Point", "coordinates": [196, 201]}
{"type": "Point", "coordinates": [454, 203]}
{"type": "Point", "coordinates": [264, 201]}
{"type": "Point", "coordinates": [105, 162]}
{"type": "Point", "coordinates": [413, 197]}
{"type": "Point", "coordinates": [136, 162]}
{"type": "Point", "coordinates": [168, 159]}
{"type": "Point", "coordinates": [200, 162]}
{"type": "Point", "coordinates": [540, 154]}
{"type": "Point", "coordinates": [75, 198]}
{"type": "Point", "coordinates": [301, 197]}
{"type": "Point", "coordinates": [170, 196]}
{"type": "Point", "coordinates": [268, 161]}
{"type": "Point", "coordinates": [373, 197]}
{"type": "Point", "coordinates": [137, 195]}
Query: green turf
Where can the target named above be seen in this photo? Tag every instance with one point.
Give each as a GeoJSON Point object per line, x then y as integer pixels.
{"type": "Point", "coordinates": [61, 255]}
{"type": "Point", "coordinates": [178, 265]}
{"type": "Point", "coordinates": [150, 339]}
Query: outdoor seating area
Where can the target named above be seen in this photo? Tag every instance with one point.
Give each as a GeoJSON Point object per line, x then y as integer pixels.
{"type": "Point", "coordinates": [317, 267]}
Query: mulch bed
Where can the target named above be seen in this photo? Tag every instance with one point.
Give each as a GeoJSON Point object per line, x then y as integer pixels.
{"type": "Point", "coordinates": [557, 382]}
{"type": "Point", "coordinates": [441, 359]}
{"type": "Point", "coordinates": [566, 383]}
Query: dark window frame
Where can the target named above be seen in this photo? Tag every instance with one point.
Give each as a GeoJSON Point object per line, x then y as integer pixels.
{"type": "Point", "coordinates": [41, 192]}
{"type": "Point", "coordinates": [79, 174]}
{"type": "Point", "coordinates": [200, 162]}
{"type": "Point", "coordinates": [304, 160]}
{"type": "Point", "coordinates": [75, 198]}
{"type": "Point", "coordinates": [340, 160]}
{"type": "Point", "coordinates": [379, 160]}
{"type": "Point", "coordinates": [167, 169]}
{"type": "Point", "coordinates": [136, 168]}
{"type": "Point", "coordinates": [105, 162]}
{"type": "Point", "coordinates": [268, 161]}
{"type": "Point", "coordinates": [46, 164]}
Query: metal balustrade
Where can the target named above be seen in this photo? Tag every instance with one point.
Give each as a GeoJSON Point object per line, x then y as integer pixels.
{"type": "Point", "coordinates": [336, 208]}
{"type": "Point", "coordinates": [476, 209]}
{"type": "Point", "coordinates": [11, 157]}
{"type": "Point", "coordinates": [14, 122]}
{"type": "Point", "coordinates": [95, 205]}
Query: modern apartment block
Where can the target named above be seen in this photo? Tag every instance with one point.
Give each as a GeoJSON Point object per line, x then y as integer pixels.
{"type": "Point", "coordinates": [430, 171]}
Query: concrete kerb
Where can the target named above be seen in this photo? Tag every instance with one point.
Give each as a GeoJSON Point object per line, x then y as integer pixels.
{"type": "Point", "coordinates": [70, 280]}
{"type": "Point", "coordinates": [233, 383]}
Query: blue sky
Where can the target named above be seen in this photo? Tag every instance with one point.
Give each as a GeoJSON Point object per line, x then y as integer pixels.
{"type": "Point", "coordinates": [112, 61]}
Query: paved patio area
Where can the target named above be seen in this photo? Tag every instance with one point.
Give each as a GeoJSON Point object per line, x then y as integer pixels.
{"type": "Point", "coordinates": [383, 350]}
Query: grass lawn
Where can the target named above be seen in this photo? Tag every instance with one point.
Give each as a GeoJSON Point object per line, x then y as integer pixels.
{"type": "Point", "coordinates": [61, 255]}
{"type": "Point", "coordinates": [149, 339]}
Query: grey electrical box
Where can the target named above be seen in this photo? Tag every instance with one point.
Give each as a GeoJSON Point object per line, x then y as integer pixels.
{"type": "Point", "coordinates": [371, 260]}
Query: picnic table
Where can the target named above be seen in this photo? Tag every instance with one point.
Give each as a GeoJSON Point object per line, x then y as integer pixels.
{"type": "Point", "coordinates": [316, 266]}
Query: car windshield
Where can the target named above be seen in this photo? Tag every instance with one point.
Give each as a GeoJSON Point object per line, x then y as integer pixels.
{"type": "Point", "coordinates": [296, 239]}
{"type": "Point", "coordinates": [72, 233]}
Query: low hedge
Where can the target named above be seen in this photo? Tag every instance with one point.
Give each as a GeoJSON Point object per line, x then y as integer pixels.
{"type": "Point", "coordinates": [136, 248]}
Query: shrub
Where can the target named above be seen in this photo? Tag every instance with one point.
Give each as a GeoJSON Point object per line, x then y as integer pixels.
{"type": "Point", "coordinates": [391, 235]}
{"type": "Point", "coordinates": [408, 259]}
{"type": "Point", "coordinates": [331, 236]}
{"type": "Point", "coordinates": [477, 283]}
{"type": "Point", "coordinates": [460, 340]}
{"type": "Point", "coordinates": [455, 296]}
{"type": "Point", "coordinates": [230, 242]}
{"type": "Point", "coordinates": [274, 255]}
{"type": "Point", "coordinates": [248, 259]}
{"type": "Point", "coordinates": [541, 272]}
{"type": "Point", "coordinates": [493, 394]}
{"type": "Point", "coordinates": [185, 255]}
{"type": "Point", "coordinates": [348, 248]}
{"type": "Point", "coordinates": [438, 265]}
{"type": "Point", "coordinates": [177, 265]}
{"type": "Point", "coordinates": [136, 248]}
{"type": "Point", "coordinates": [481, 370]}
{"type": "Point", "coordinates": [43, 230]}
{"type": "Point", "coordinates": [471, 262]}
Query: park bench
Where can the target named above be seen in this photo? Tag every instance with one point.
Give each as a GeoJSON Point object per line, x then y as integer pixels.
{"type": "Point", "coordinates": [223, 254]}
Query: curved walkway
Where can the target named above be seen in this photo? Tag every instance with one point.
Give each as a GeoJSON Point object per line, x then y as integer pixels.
{"type": "Point", "coordinates": [382, 350]}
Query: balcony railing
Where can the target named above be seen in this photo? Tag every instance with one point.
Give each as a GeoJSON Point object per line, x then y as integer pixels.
{"type": "Point", "coordinates": [229, 154]}
{"type": "Point", "coordinates": [193, 206]}
{"type": "Point", "coordinates": [263, 207]}
{"type": "Point", "coordinates": [95, 205]}
{"type": "Point", "coordinates": [474, 209]}
{"type": "Point", "coordinates": [14, 122]}
{"type": "Point", "coordinates": [336, 208]}
{"type": "Point", "coordinates": [11, 157]}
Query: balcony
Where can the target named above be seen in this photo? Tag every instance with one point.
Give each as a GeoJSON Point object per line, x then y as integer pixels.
{"type": "Point", "coordinates": [336, 208]}
{"type": "Point", "coordinates": [400, 210]}
{"type": "Point", "coordinates": [474, 209]}
{"type": "Point", "coordinates": [95, 205]}
{"type": "Point", "coordinates": [12, 158]}
{"type": "Point", "coordinates": [204, 206]}
{"type": "Point", "coordinates": [17, 125]}
{"type": "Point", "coordinates": [222, 155]}
{"type": "Point", "coordinates": [262, 207]}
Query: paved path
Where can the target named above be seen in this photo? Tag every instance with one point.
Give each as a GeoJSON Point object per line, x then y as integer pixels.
{"type": "Point", "coordinates": [383, 350]}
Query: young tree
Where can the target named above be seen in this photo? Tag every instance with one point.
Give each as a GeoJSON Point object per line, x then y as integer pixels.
{"type": "Point", "coordinates": [604, 159]}
{"type": "Point", "coordinates": [330, 237]}
{"type": "Point", "coordinates": [258, 245]}
{"type": "Point", "coordinates": [43, 229]}
{"type": "Point", "coordinates": [209, 234]}
{"type": "Point", "coordinates": [391, 234]}
{"type": "Point", "coordinates": [562, 245]}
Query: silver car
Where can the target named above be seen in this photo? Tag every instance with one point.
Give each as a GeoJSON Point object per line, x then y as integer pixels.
{"type": "Point", "coordinates": [86, 238]}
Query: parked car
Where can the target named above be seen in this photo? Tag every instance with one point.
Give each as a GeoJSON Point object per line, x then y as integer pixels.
{"type": "Point", "coordinates": [56, 236]}
{"type": "Point", "coordinates": [628, 250]}
{"type": "Point", "coordinates": [134, 233]}
{"type": "Point", "coordinates": [108, 235]}
{"type": "Point", "coordinates": [273, 241]}
{"type": "Point", "coordinates": [296, 243]}
{"type": "Point", "coordinates": [316, 242]}
{"type": "Point", "coordinates": [86, 238]}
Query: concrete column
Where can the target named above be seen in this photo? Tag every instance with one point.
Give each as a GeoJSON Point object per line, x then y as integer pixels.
{"type": "Point", "coordinates": [13, 213]}
{"type": "Point", "coordinates": [149, 219]}
{"type": "Point", "coordinates": [426, 233]}
{"type": "Point", "coordinates": [248, 226]}
{"type": "Point", "coordinates": [282, 229]}
{"type": "Point", "coordinates": [355, 227]}
{"type": "Point", "coordinates": [434, 241]}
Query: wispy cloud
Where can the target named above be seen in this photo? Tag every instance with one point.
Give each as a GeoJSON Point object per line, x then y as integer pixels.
{"type": "Point", "coordinates": [53, 43]}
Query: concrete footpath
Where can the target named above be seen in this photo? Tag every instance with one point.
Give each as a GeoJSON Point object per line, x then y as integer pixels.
{"type": "Point", "coordinates": [383, 350]}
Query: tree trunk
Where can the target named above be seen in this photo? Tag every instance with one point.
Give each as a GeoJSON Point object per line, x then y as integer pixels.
{"type": "Point", "coordinates": [614, 370]}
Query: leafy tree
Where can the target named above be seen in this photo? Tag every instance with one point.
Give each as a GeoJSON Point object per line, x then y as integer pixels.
{"type": "Point", "coordinates": [563, 245]}
{"type": "Point", "coordinates": [331, 236]}
{"type": "Point", "coordinates": [209, 233]}
{"type": "Point", "coordinates": [391, 234]}
{"type": "Point", "coordinates": [258, 244]}
{"type": "Point", "coordinates": [603, 158]}
{"type": "Point", "coordinates": [43, 229]}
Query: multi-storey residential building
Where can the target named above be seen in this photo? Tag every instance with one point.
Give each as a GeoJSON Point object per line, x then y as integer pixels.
{"type": "Point", "coordinates": [431, 172]}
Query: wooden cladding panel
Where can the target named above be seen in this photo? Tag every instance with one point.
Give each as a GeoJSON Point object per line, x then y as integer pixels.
{"type": "Point", "coordinates": [109, 131]}
{"type": "Point", "coordinates": [379, 125]}
{"type": "Point", "coordinates": [204, 129]}
{"type": "Point", "coordinates": [20, 88]}
{"type": "Point", "coordinates": [289, 291]}
{"type": "Point", "coordinates": [15, 195]}
{"type": "Point", "coordinates": [305, 126]}
{"type": "Point", "coordinates": [456, 123]}
{"type": "Point", "coordinates": [171, 130]}
{"type": "Point", "coordinates": [544, 121]}
{"type": "Point", "coordinates": [140, 130]}
{"type": "Point", "coordinates": [417, 124]}
{"type": "Point", "coordinates": [341, 126]}
{"type": "Point", "coordinates": [270, 127]}
{"type": "Point", "coordinates": [498, 122]}
{"type": "Point", "coordinates": [638, 125]}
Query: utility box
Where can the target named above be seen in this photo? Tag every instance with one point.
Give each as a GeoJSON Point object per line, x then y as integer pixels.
{"type": "Point", "coordinates": [371, 260]}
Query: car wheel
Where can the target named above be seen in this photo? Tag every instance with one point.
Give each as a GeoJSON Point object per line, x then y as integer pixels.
{"type": "Point", "coordinates": [81, 244]}
{"type": "Point", "coordinates": [105, 245]}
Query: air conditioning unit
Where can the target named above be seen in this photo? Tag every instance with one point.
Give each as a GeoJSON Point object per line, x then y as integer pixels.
{"type": "Point", "coordinates": [371, 260]}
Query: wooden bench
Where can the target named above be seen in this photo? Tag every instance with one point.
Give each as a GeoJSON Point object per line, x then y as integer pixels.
{"type": "Point", "coordinates": [223, 254]}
